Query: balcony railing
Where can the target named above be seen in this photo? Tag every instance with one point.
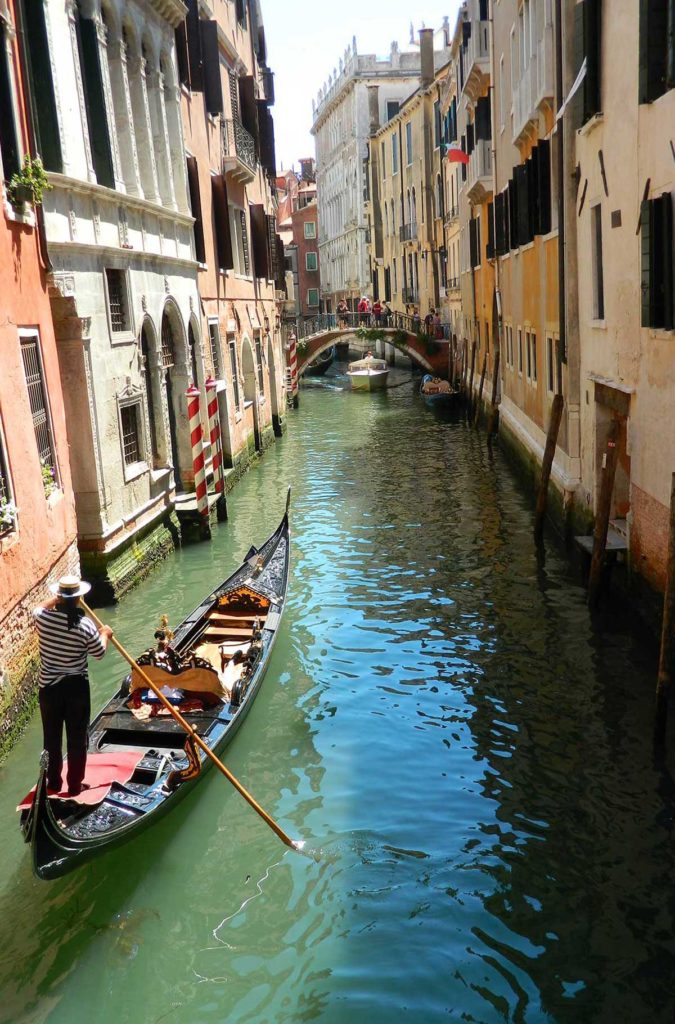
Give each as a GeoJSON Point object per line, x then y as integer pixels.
{"type": "Point", "coordinates": [410, 296]}
{"type": "Point", "coordinates": [535, 86]}
{"type": "Point", "coordinates": [477, 62]}
{"type": "Point", "coordinates": [407, 232]}
{"type": "Point", "coordinates": [238, 149]}
{"type": "Point", "coordinates": [479, 176]}
{"type": "Point", "coordinates": [451, 215]}
{"type": "Point", "coordinates": [452, 285]}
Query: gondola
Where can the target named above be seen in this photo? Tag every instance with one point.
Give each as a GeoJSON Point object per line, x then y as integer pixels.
{"type": "Point", "coordinates": [318, 366]}
{"type": "Point", "coordinates": [212, 667]}
{"type": "Point", "coordinates": [436, 391]}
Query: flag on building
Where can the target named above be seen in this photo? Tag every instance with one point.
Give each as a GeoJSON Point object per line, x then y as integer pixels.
{"type": "Point", "coordinates": [456, 154]}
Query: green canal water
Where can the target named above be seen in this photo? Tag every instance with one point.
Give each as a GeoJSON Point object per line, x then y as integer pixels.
{"type": "Point", "coordinates": [467, 750]}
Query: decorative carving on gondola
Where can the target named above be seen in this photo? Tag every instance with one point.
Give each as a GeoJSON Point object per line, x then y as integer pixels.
{"type": "Point", "coordinates": [191, 771]}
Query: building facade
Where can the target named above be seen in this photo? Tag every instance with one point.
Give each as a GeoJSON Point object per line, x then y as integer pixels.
{"type": "Point", "coordinates": [123, 284]}
{"type": "Point", "coordinates": [407, 195]}
{"type": "Point", "coordinates": [37, 509]}
{"type": "Point", "coordinates": [341, 127]}
{"type": "Point", "coordinates": [297, 221]}
{"type": "Point", "coordinates": [227, 92]}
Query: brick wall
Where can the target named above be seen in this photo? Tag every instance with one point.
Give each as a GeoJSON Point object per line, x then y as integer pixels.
{"type": "Point", "coordinates": [19, 661]}
{"type": "Point", "coordinates": [649, 537]}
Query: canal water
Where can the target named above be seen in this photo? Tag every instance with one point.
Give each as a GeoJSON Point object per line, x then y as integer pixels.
{"type": "Point", "coordinates": [466, 751]}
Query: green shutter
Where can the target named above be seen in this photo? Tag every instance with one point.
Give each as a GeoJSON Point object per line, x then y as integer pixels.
{"type": "Point", "coordinates": [42, 87]}
{"type": "Point", "coordinates": [646, 262]}
{"type": "Point", "coordinates": [95, 102]}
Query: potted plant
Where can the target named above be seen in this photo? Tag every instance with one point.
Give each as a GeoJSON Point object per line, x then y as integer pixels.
{"type": "Point", "coordinates": [49, 481]}
{"type": "Point", "coordinates": [29, 184]}
{"type": "Point", "coordinates": [8, 514]}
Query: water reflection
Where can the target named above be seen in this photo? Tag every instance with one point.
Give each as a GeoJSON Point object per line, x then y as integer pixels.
{"type": "Point", "coordinates": [467, 750]}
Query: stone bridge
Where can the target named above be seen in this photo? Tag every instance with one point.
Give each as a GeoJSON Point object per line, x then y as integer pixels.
{"type": "Point", "coordinates": [316, 335]}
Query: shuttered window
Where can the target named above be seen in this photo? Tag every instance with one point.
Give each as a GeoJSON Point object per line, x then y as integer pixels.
{"type": "Point", "coordinates": [513, 213]}
{"type": "Point", "coordinates": [587, 45]}
{"type": "Point", "coordinates": [9, 143]}
{"type": "Point", "coordinates": [474, 242]}
{"type": "Point", "coordinates": [196, 207]}
{"type": "Point", "coordinates": [268, 157]}
{"type": "Point", "coordinates": [544, 187]}
{"type": "Point", "coordinates": [97, 117]}
{"type": "Point", "coordinates": [37, 397]}
{"type": "Point", "coordinates": [657, 48]}
{"type": "Point", "coordinates": [657, 244]}
{"type": "Point", "coordinates": [501, 223]}
{"type": "Point", "coordinates": [259, 364]}
{"type": "Point", "coordinates": [490, 251]}
{"type": "Point", "coordinates": [194, 46]}
{"type": "Point", "coordinates": [261, 258]}
{"type": "Point", "coordinates": [214, 344]}
{"type": "Point", "coordinates": [46, 123]}
{"type": "Point", "coordinates": [483, 119]}
{"type": "Point", "coordinates": [248, 107]}
{"type": "Point", "coordinates": [221, 219]}
{"type": "Point", "coordinates": [523, 210]}
{"type": "Point", "coordinates": [598, 271]}
{"type": "Point", "coordinates": [235, 373]}
{"type": "Point", "coordinates": [213, 89]}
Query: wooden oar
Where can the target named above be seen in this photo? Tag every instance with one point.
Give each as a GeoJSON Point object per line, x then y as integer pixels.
{"type": "Point", "coordinates": [293, 844]}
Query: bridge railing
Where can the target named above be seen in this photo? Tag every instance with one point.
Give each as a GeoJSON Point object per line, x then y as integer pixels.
{"type": "Point", "coordinates": [307, 326]}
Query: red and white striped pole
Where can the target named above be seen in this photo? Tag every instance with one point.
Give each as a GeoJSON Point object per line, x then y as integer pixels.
{"type": "Point", "coordinates": [293, 367]}
{"type": "Point", "coordinates": [192, 395]}
{"type": "Point", "coordinates": [211, 386]}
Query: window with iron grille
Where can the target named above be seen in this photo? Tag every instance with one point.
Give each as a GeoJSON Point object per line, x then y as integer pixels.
{"type": "Point", "coordinates": [235, 373]}
{"type": "Point", "coordinates": [37, 397]}
{"type": "Point", "coordinates": [131, 433]}
{"type": "Point", "coordinates": [168, 358]}
{"type": "Point", "coordinates": [7, 510]}
{"type": "Point", "coordinates": [214, 341]}
{"type": "Point", "coordinates": [259, 362]}
{"type": "Point", "coordinates": [118, 302]}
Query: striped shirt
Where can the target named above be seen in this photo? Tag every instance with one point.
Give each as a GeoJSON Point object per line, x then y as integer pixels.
{"type": "Point", "coordinates": [63, 651]}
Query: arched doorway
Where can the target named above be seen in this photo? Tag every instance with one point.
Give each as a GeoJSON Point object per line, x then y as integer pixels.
{"type": "Point", "coordinates": [151, 377]}
{"type": "Point", "coordinates": [274, 387]}
{"type": "Point", "coordinates": [250, 393]}
{"type": "Point", "coordinates": [173, 362]}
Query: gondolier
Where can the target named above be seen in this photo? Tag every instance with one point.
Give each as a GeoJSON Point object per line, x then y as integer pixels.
{"type": "Point", "coordinates": [67, 640]}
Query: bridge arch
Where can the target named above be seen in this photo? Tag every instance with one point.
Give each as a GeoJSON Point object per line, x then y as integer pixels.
{"type": "Point", "coordinates": [412, 346]}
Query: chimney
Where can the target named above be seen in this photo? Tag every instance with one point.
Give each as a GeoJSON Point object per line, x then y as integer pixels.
{"type": "Point", "coordinates": [374, 108]}
{"type": "Point", "coordinates": [426, 57]}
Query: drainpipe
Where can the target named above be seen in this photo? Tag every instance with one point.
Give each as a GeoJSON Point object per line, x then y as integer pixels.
{"type": "Point", "coordinates": [560, 170]}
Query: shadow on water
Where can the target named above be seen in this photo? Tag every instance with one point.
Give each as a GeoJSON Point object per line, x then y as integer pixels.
{"type": "Point", "coordinates": [467, 747]}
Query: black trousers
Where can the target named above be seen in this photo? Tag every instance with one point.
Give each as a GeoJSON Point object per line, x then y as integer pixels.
{"type": "Point", "coordinates": [66, 703]}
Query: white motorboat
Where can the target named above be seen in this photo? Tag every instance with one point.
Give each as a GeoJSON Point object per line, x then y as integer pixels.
{"type": "Point", "coordinates": [368, 374]}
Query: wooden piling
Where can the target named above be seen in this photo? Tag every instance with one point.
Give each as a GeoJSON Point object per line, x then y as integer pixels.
{"type": "Point", "coordinates": [492, 419]}
{"type": "Point", "coordinates": [667, 655]}
{"type": "Point", "coordinates": [602, 514]}
{"type": "Point", "coordinates": [473, 365]}
{"type": "Point", "coordinates": [483, 372]}
{"type": "Point", "coordinates": [547, 463]}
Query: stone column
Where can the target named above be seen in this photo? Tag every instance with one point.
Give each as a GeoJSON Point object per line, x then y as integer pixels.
{"type": "Point", "coordinates": [176, 147]}
{"type": "Point", "coordinates": [160, 136]}
{"type": "Point", "coordinates": [102, 34]}
{"type": "Point", "coordinates": [138, 88]}
{"type": "Point", "coordinates": [124, 118]}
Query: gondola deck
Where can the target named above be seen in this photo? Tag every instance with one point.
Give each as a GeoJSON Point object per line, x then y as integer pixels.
{"type": "Point", "coordinates": [242, 614]}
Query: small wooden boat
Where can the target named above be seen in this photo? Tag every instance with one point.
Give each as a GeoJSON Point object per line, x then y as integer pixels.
{"type": "Point", "coordinates": [368, 374]}
{"type": "Point", "coordinates": [436, 391]}
{"type": "Point", "coordinates": [212, 667]}
{"type": "Point", "coordinates": [318, 366]}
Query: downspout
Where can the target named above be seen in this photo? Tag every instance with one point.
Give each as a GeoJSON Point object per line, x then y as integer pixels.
{"type": "Point", "coordinates": [560, 170]}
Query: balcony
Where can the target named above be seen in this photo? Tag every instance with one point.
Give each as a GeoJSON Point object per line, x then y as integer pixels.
{"type": "Point", "coordinates": [452, 285]}
{"type": "Point", "coordinates": [451, 215]}
{"type": "Point", "coordinates": [477, 60]}
{"type": "Point", "coordinates": [536, 88]}
{"type": "Point", "coordinates": [239, 156]}
{"type": "Point", "coordinates": [407, 232]}
{"type": "Point", "coordinates": [479, 172]}
{"type": "Point", "coordinates": [410, 296]}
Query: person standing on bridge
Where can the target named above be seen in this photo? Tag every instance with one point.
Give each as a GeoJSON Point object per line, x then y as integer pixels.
{"type": "Point", "coordinates": [342, 312]}
{"type": "Point", "coordinates": [377, 312]}
{"type": "Point", "coordinates": [363, 310]}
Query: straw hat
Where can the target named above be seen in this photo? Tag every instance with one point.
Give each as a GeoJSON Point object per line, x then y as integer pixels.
{"type": "Point", "coordinates": [70, 586]}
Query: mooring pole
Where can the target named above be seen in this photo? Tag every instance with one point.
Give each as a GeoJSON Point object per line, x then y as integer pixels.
{"type": "Point", "coordinates": [602, 514]}
{"type": "Point", "coordinates": [547, 463]}
{"type": "Point", "coordinates": [493, 398]}
{"type": "Point", "coordinates": [667, 628]}
{"type": "Point", "coordinates": [473, 366]}
{"type": "Point", "coordinates": [480, 390]}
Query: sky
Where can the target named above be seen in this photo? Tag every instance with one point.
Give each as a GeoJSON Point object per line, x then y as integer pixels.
{"type": "Point", "coordinates": [306, 40]}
